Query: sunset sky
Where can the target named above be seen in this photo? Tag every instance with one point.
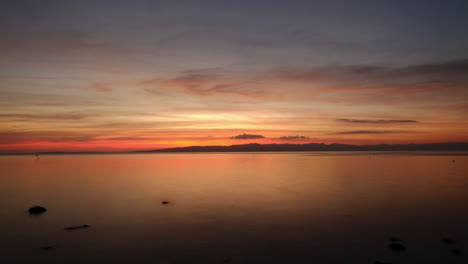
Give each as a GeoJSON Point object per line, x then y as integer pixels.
{"type": "Point", "coordinates": [134, 75]}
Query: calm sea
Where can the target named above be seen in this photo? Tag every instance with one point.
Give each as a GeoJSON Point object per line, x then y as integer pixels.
{"type": "Point", "coordinates": [334, 207]}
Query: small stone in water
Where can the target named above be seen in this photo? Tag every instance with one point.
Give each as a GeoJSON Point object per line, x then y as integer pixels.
{"type": "Point", "coordinates": [397, 247]}
{"type": "Point", "coordinates": [37, 210]}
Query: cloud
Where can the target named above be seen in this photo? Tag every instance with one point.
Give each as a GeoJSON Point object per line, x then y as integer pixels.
{"type": "Point", "coordinates": [292, 137]}
{"type": "Point", "coordinates": [375, 121]}
{"type": "Point", "coordinates": [210, 82]}
{"type": "Point", "coordinates": [223, 88]}
{"type": "Point", "coordinates": [443, 81]}
{"type": "Point", "coordinates": [369, 83]}
{"type": "Point", "coordinates": [59, 43]}
{"type": "Point", "coordinates": [152, 91]}
{"type": "Point", "coordinates": [129, 138]}
{"type": "Point", "coordinates": [247, 136]}
{"type": "Point", "coordinates": [63, 116]}
{"type": "Point", "coordinates": [366, 132]}
{"type": "Point", "coordinates": [17, 137]}
{"type": "Point", "coordinates": [101, 87]}
{"type": "Point", "coordinates": [449, 70]}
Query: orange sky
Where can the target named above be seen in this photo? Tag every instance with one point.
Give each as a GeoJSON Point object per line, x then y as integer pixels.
{"type": "Point", "coordinates": [201, 75]}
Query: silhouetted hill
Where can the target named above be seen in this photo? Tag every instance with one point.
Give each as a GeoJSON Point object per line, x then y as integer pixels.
{"type": "Point", "coordinates": [316, 147]}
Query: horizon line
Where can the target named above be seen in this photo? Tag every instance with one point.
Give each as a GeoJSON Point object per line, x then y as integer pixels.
{"type": "Point", "coordinates": [187, 148]}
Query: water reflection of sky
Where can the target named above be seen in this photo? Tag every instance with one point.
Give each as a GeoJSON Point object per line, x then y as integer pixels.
{"type": "Point", "coordinates": [246, 207]}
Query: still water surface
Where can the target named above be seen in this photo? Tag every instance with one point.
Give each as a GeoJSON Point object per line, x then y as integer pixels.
{"type": "Point", "coordinates": [338, 207]}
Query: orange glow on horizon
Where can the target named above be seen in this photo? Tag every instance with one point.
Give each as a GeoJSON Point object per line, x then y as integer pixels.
{"type": "Point", "coordinates": [135, 145]}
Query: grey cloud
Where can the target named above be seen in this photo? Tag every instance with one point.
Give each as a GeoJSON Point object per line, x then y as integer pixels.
{"type": "Point", "coordinates": [247, 136]}
{"type": "Point", "coordinates": [129, 138]}
{"type": "Point", "coordinates": [372, 74]}
{"type": "Point", "coordinates": [64, 116]}
{"type": "Point", "coordinates": [152, 91]}
{"type": "Point", "coordinates": [101, 87]}
{"type": "Point", "coordinates": [366, 132]}
{"type": "Point", "coordinates": [208, 82]}
{"type": "Point", "coordinates": [30, 136]}
{"type": "Point", "coordinates": [449, 68]}
{"type": "Point", "coordinates": [374, 121]}
{"type": "Point", "coordinates": [292, 137]}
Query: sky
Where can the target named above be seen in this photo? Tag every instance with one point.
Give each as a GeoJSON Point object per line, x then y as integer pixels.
{"type": "Point", "coordinates": [138, 75]}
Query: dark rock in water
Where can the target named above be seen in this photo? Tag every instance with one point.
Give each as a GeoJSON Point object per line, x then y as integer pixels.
{"type": "Point", "coordinates": [456, 251]}
{"type": "Point", "coordinates": [397, 247]}
{"type": "Point", "coordinates": [36, 210]}
{"type": "Point", "coordinates": [165, 202]}
{"type": "Point", "coordinates": [448, 241]}
{"type": "Point", "coordinates": [380, 262]}
{"type": "Point", "coordinates": [47, 247]}
{"type": "Point", "coordinates": [76, 227]}
{"type": "Point", "coordinates": [395, 239]}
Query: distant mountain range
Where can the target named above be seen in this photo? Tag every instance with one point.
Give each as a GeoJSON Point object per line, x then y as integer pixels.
{"type": "Point", "coordinates": [254, 147]}
{"type": "Point", "coordinates": [316, 147]}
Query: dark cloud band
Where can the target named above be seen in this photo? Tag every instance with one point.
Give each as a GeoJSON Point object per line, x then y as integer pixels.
{"type": "Point", "coordinates": [374, 121]}
{"type": "Point", "coordinates": [247, 136]}
{"type": "Point", "coordinates": [357, 132]}
{"type": "Point", "coordinates": [292, 137]}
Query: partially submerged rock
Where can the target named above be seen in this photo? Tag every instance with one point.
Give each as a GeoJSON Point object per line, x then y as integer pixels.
{"type": "Point", "coordinates": [37, 210]}
{"type": "Point", "coordinates": [165, 202]}
{"type": "Point", "coordinates": [397, 247]}
{"type": "Point", "coordinates": [76, 227]}
{"type": "Point", "coordinates": [448, 241]}
{"type": "Point", "coordinates": [48, 247]}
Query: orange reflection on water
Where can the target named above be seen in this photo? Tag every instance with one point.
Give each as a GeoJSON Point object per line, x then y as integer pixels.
{"type": "Point", "coordinates": [223, 203]}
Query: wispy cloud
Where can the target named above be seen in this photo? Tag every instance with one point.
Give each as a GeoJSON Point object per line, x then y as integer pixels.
{"type": "Point", "coordinates": [130, 138]}
{"type": "Point", "coordinates": [292, 137]}
{"type": "Point", "coordinates": [364, 74]}
{"type": "Point", "coordinates": [209, 82]}
{"type": "Point", "coordinates": [44, 136]}
{"type": "Point", "coordinates": [455, 68]}
{"type": "Point", "coordinates": [63, 116]}
{"type": "Point", "coordinates": [247, 136]}
{"type": "Point", "coordinates": [366, 132]}
{"type": "Point", "coordinates": [224, 88]}
{"type": "Point", "coordinates": [100, 87]}
{"type": "Point", "coordinates": [364, 83]}
{"type": "Point", "coordinates": [152, 91]}
{"type": "Point", "coordinates": [374, 121]}
{"type": "Point", "coordinates": [374, 84]}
